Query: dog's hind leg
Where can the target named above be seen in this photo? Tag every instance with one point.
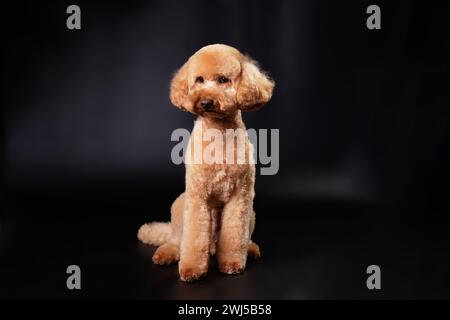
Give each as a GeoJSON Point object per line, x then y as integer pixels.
{"type": "Point", "coordinates": [253, 249]}
{"type": "Point", "coordinates": [169, 252]}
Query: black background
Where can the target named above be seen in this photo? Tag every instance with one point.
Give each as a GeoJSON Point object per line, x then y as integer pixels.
{"type": "Point", "coordinates": [364, 146]}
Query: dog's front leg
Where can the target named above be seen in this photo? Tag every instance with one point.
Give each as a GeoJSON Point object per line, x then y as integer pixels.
{"type": "Point", "coordinates": [194, 255]}
{"type": "Point", "coordinates": [234, 235]}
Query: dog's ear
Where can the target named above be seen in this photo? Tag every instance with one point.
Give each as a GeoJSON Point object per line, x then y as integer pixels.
{"type": "Point", "coordinates": [179, 87]}
{"type": "Point", "coordinates": [255, 87]}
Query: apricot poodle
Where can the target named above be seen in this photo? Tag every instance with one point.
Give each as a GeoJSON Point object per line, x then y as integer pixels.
{"type": "Point", "coordinates": [215, 213]}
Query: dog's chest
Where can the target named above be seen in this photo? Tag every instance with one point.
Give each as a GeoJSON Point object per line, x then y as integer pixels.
{"type": "Point", "coordinates": [228, 169]}
{"type": "Point", "coordinates": [218, 181]}
{"type": "Point", "coordinates": [224, 179]}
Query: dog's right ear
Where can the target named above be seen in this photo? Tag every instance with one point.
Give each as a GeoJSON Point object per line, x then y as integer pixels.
{"type": "Point", "coordinates": [179, 87]}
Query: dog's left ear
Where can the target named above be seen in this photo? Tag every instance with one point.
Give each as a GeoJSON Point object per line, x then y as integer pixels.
{"type": "Point", "coordinates": [255, 87]}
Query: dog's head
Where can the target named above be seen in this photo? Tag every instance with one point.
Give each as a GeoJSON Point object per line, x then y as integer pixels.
{"type": "Point", "coordinates": [217, 81]}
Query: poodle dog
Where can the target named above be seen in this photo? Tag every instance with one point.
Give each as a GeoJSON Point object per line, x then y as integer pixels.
{"type": "Point", "coordinates": [215, 213]}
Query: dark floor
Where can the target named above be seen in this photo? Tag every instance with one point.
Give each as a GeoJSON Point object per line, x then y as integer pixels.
{"type": "Point", "coordinates": [312, 249]}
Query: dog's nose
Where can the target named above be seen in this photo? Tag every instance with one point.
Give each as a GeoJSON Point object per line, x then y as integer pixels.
{"type": "Point", "coordinates": [207, 104]}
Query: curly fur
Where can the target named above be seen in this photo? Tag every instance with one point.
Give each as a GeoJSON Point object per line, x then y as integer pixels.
{"type": "Point", "coordinates": [215, 213]}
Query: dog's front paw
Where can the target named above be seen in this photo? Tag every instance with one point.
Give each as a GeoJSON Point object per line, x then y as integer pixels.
{"type": "Point", "coordinates": [231, 266]}
{"type": "Point", "coordinates": [191, 272]}
{"type": "Point", "coordinates": [166, 254]}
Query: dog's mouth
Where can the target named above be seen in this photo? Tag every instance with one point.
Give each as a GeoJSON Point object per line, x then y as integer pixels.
{"type": "Point", "coordinates": [214, 114]}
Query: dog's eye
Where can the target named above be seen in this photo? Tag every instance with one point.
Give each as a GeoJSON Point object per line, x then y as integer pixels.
{"type": "Point", "coordinates": [222, 79]}
{"type": "Point", "coordinates": [199, 80]}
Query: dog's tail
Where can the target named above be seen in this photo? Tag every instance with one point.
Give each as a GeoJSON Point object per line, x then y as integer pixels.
{"type": "Point", "coordinates": [155, 233]}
